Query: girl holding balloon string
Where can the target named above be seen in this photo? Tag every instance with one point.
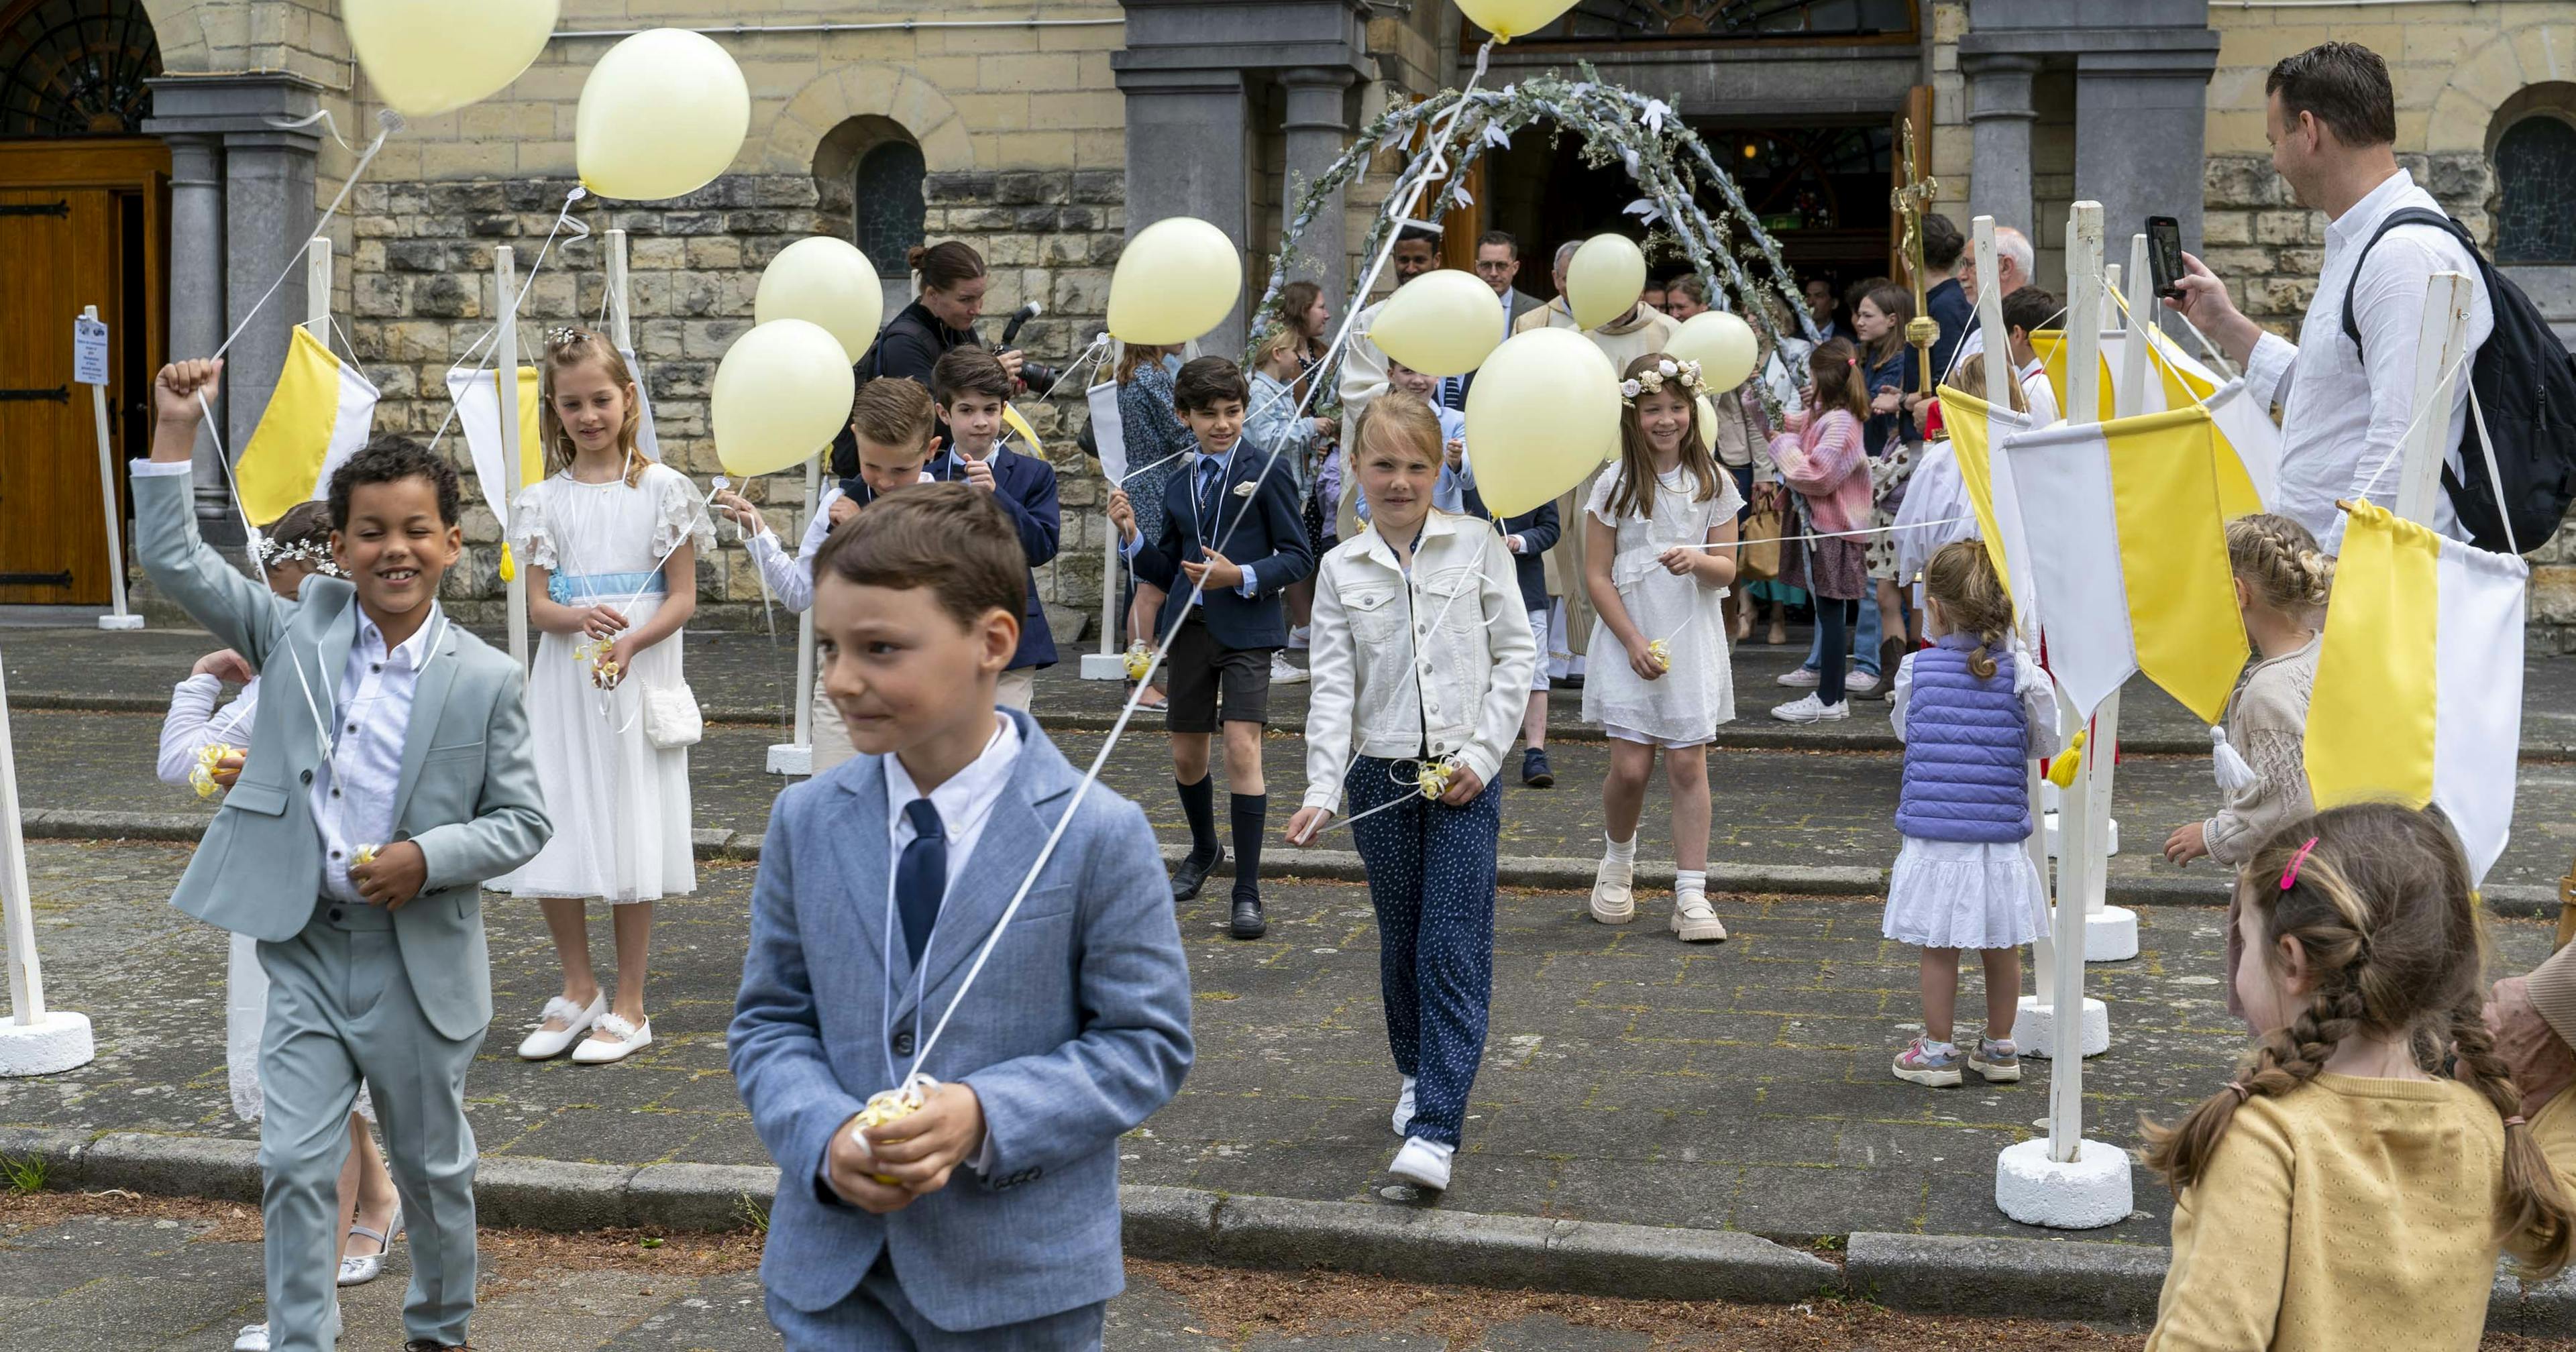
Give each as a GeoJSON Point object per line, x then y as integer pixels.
{"type": "Point", "coordinates": [611, 541]}
{"type": "Point", "coordinates": [1661, 558]}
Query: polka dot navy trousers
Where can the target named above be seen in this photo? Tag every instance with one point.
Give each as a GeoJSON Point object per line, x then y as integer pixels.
{"type": "Point", "coordinates": [1431, 878]}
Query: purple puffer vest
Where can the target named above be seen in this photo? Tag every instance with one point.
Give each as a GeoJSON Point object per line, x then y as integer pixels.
{"type": "Point", "coordinates": [1965, 741]}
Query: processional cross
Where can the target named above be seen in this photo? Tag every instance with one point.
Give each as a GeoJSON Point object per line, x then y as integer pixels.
{"type": "Point", "coordinates": [1910, 201]}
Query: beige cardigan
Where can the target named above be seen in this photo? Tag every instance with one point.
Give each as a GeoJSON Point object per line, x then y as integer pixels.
{"type": "Point", "coordinates": [2267, 723]}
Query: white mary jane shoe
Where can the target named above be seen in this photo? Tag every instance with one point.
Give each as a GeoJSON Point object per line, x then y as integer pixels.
{"type": "Point", "coordinates": [545, 1044]}
{"type": "Point", "coordinates": [623, 1040]}
{"type": "Point", "coordinates": [360, 1269]}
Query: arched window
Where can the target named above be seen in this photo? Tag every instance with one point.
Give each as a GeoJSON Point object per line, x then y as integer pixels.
{"type": "Point", "coordinates": [887, 208]}
{"type": "Point", "coordinates": [75, 67]}
{"type": "Point", "coordinates": [2535, 164]}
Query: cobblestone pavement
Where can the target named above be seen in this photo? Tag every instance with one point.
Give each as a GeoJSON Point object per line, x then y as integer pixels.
{"type": "Point", "coordinates": [1627, 1078]}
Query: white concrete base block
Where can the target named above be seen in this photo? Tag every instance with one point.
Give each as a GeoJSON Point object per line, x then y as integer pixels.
{"type": "Point", "coordinates": [55, 1043]}
{"type": "Point", "coordinates": [2048, 823]}
{"type": "Point", "coordinates": [120, 623]}
{"type": "Point", "coordinates": [1104, 666]}
{"type": "Point", "coordinates": [2035, 1027]}
{"type": "Point", "coordinates": [788, 758]}
{"type": "Point", "coordinates": [2087, 1193]}
{"type": "Point", "coordinates": [2110, 934]}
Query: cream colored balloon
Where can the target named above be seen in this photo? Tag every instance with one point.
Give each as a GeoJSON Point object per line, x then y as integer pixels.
{"type": "Point", "coordinates": [1442, 323]}
{"type": "Point", "coordinates": [1509, 19]}
{"type": "Point", "coordinates": [1706, 419]}
{"type": "Point", "coordinates": [1176, 280]}
{"type": "Point", "coordinates": [432, 56]}
{"type": "Point", "coordinates": [1722, 345]}
{"type": "Point", "coordinates": [781, 394]}
{"type": "Point", "coordinates": [662, 114]}
{"type": "Point", "coordinates": [1543, 413]}
{"type": "Point", "coordinates": [829, 282]}
{"type": "Point", "coordinates": [1605, 279]}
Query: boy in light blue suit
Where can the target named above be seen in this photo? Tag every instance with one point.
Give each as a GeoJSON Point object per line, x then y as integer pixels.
{"type": "Point", "coordinates": [881, 883]}
{"type": "Point", "coordinates": [388, 776]}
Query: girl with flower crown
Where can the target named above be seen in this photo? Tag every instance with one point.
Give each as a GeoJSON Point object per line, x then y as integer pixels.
{"type": "Point", "coordinates": [1657, 565]}
{"type": "Point", "coordinates": [610, 540]}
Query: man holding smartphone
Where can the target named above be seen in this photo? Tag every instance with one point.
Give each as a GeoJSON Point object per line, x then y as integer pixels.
{"type": "Point", "coordinates": [2332, 121]}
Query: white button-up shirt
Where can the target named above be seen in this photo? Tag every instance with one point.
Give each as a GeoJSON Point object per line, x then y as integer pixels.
{"type": "Point", "coordinates": [353, 789]}
{"type": "Point", "coordinates": [964, 802]}
{"type": "Point", "coordinates": [2343, 413]}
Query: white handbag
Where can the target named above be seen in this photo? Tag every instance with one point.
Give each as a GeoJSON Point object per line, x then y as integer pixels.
{"type": "Point", "coordinates": [671, 717]}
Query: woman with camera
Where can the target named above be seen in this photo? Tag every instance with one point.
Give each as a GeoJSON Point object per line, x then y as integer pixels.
{"type": "Point", "coordinates": [952, 284]}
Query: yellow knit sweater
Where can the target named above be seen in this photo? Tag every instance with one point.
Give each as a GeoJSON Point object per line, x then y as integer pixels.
{"type": "Point", "coordinates": [2353, 1215]}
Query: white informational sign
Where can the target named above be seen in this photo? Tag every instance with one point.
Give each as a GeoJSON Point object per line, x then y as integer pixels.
{"type": "Point", "coordinates": [89, 351]}
{"type": "Point", "coordinates": [1108, 432]}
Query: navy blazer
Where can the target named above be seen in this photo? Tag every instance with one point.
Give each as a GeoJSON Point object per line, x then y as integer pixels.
{"type": "Point", "coordinates": [1025, 486]}
{"type": "Point", "coordinates": [1257, 523]}
{"type": "Point", "coordinates": [1540, 531]}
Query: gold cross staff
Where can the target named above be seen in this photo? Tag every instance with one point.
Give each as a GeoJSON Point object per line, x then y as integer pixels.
{"type": "Point", "coordinates": [1909, 203]}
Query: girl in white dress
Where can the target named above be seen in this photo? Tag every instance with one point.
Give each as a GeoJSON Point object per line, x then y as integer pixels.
{"type": "Point", "coordinates": [1658, 674]}
{"type": "Point", "coordinates": [202, 747]}
{"type": "Point", "coordinates": [610, 540]}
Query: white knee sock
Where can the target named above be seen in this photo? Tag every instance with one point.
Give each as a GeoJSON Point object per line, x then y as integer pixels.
{"type": "Point", "coordinates": [1619, 851]}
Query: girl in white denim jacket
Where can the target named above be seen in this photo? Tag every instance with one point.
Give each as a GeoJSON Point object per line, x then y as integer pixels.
{"type": "Point", "coordinates": [1421, 656]}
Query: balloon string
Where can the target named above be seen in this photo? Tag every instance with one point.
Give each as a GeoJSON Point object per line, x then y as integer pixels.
{"type": "Point", "coordinates": [1836, 534]}
{"type": "Point", "coordinates": [390, 122]}
{"type": "Point", "coordinates": [563, 221]}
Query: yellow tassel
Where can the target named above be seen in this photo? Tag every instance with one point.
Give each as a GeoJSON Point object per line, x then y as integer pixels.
{"type": "Point", "coordinates": [2061, 771]}
{"type": "Point", "coordinates": [509, 566]}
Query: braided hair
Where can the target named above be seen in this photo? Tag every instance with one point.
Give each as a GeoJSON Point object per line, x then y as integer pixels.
{"type": "Point", "coordinates": [2281, 564]}
{"type": "Point", "coordinates": [1963, 579]}
{"type": "Point", "coordinates": [2378, 897]}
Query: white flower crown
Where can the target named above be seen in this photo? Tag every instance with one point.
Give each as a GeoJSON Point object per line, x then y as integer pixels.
{"type": "Point", "coordinates": [273, 553]}
{"type": "Point", "coordinates": [1651, 381]}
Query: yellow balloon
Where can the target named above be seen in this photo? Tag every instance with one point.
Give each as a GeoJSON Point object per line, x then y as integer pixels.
{"type": "Point", "coordinates": [1605, 279]}
{"type": "Point", "coordinates": [782, 393]}
{"type": "Point", "coordinates": [1722, 345]}
{"type": "Point", "coordinates": [1176, 280]}
{"type": "Point", "coordinates": [1442, 323]}
{"type": "Point", "coordinates": [661, 115]}
{"type": "Point", "coordinates": [1706, 417]}
{"type": "Point", "coordinates": [829, 282]}
{"type": "Point", "coordinates": [1509, 19]}
{"type": "Point", "coordinates": [1543, 413]}
{"type": "Point", "coordinates": [432, 56]}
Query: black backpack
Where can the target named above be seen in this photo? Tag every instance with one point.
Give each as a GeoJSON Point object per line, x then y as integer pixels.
{"type": "Point", "coordinates": [2525, 385]}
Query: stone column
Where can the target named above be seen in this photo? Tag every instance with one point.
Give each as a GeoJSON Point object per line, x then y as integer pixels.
{"type": "Point", "coordinates": [2139, 137]}
{"type": "Point", "coordinates": [197, 286]}
{"type": "Point", "coordinates": [1187, 132]}
{"type": "Point", "coordinates": [1318, 129]}
{"type": "Point", "coordinates": [2000, 117]}
{"type": "Point", "coordinates": [268, 213]}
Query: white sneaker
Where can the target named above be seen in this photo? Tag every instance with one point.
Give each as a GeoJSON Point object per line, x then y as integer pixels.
{"type": "Point", "coordinates": [1861, 682]}
{"type": "Point", "coordinates": [1424, 1164]}
{"type": "Point", "coordinates": [253, 1338]}
{"type": "Point", "coordinates": [1809, 709]}
{"type": "Point", "coordinates": [1299, 638]}
{"type": "Point", "coordinates": [623, 1040]}
{"type": "Point", "coordinates": [1800, 678]}
{"type": "Point", "coordinates": [545, 1044]}
{"type": "Point", "coordinates": [1403, 1108]}
{"type": "Point", "coordinates": [1695, 920]}
{"type": "Point", "coordinates": [1614, 897]}
{"type": "Point", "coordinates": [1285, 672]}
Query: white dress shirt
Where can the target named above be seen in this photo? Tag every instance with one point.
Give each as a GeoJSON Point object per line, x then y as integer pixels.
{"type": "Point", "coordinates": [192, 724]}
{"type": "Point", "coordinates": [2039, 394]}
{"type": "Point", "coordinates": [964, 802]}
{"type": "Point", "coordinates": [353, 789]}
{"type": "Point", "coordinates": [791, 580]}
{"type": "Point", "coordinates": [2343, 413]}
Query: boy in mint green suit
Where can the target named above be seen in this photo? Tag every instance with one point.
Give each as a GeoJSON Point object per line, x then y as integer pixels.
{"type": "Point", "coordinates": [388, 776]}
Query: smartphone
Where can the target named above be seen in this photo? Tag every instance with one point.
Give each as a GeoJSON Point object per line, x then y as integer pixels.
{"type": "Point", "coordinates": [2164, 255]}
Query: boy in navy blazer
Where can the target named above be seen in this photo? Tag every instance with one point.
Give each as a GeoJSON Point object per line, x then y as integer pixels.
{"type": "Point", "coordinates": [1229, 527]}
{"type": "Point", "coordinates": [881, 882]}
{"type": "Point", "coordinates": [973, 391]}
{"type": "Point", "coordinates": [1530, 535]}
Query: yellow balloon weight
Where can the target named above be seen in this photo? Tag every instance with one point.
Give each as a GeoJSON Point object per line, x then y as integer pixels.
{"type": "Point", "coordinates": [1605, 279]}
{"type": "Point", "coordinates": [661, 115]}
{"type": "Point", "coordinates": [828, 282]}
{"type": "Point", "coordinates": [1441, 323]}
{"type": "Point", "coordinates": [1543, 413]}
{"type": "Point", "coordinates": [1175, 281]}
{"type": "Point", "coordinates": [782, 393]}
{"type": "Point", "coordinates": [1722, 345]}
{"type": "Point", "coordinates": [1509, 19]}
{"type": "Point", "coordinates": [432, 56]}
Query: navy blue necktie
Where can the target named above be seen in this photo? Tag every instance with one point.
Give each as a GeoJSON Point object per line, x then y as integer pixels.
{"type": "Point", "coordinates": [921, 876]}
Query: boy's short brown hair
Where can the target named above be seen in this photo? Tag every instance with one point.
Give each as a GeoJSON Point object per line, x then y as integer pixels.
{"type": "Point", "coordinates": [952, 538]}
{"type": "Point", "coordinates": [893, 411]}
{"type": "Point", "coordinates": [968, 370]}
{"type": "Point", "coordinates": [1204, 381]}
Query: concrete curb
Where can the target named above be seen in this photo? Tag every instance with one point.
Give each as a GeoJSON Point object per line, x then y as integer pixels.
{"type": "Point", "coordinates": [1555, 873]}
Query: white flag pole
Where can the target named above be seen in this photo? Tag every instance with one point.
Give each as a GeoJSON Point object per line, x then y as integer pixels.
{"type": "Point", "coordinates": [34, 1040]}
{"type": "Point", "coordinates": [2111, 932]}
{"type": "Point", "coordinates": [505, 388]}
{"type": "Point", "coordinates": [2443, 336]}
{"type": "Point", "coordinates": [117, 618]}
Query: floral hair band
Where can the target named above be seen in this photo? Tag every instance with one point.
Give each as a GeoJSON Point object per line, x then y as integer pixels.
{"type": "Point", "coordinates": [1651, 381]}
{"type": "Point", "coordinates": [277, 554]}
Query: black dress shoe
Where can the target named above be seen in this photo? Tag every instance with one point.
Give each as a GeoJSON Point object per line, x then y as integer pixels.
{"type": "Point", "coordinates": [1192, 875]}
{"type": "Point", "coordinates": [1248, 923]}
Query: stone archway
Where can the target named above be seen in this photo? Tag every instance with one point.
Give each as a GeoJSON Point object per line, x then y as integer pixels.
{"type": "Point", "coordinates": [2532, 53]}
{"type": "Point", "coordinates": [819, 109]}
